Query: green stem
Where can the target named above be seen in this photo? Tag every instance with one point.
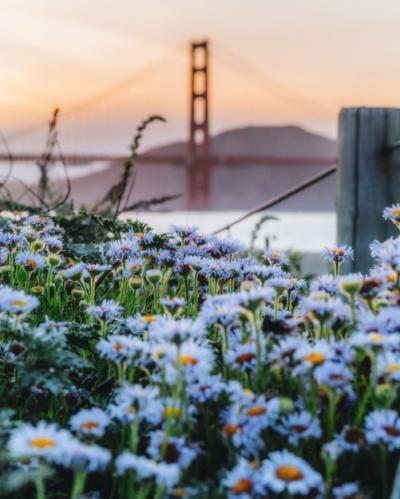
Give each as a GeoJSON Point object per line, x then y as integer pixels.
{"type": "Point", "coordinates": [78, 485]}
{"type": "Point", "coordinates": [40, 489]}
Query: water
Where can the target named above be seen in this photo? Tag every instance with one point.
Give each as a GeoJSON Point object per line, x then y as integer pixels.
{"type": "Point", "coordinates": [306, 232]}
{"type": "Point", "coordinates": [29, 172]}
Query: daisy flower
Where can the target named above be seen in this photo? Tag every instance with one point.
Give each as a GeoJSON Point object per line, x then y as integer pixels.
{"type": "Point", "coordinates": [85, 458]}
{"type": "Point", "coordinates": [383, 426]}
{"type": "Point", "coordinates": [275, 257]}
{"type": "Point", "coordinates": [172, 449]}
{"type": "Point", "coordinates": [349, 490]}
{"type": "Point", "coordinates": [388, 365]}
{"type": "Point", "coordinates": [108, 310]}
{"type": "Point", "coordinates": [392, 213]}
{"type": "Point", "coordinates": [90, 422]}
{"type": "Point", "coordinates": [43, 440]}
{"type": "Point", "coordinates": [338, 254]}
{"type": "Point", "coordinates": [16, 301]}
{"type": "Point", "coordinates": [30, 261]}
{"type": "Point", "coordinates": [336, 376]}
{"type": "Point", "coordinates": [351, 439]}
{"type": "Point", "coordinates": [283, 472]}
{"type": "Point", "coordinates": [242, 357]}
{"type": "Point", "coordinates": [299, 426]}
{"type": "Point", "coordinates": [127, 249]}
{"type": "Point", "coordinates": [220, 309]}
{"type": "Point", "coordinates": [243, 481]}
{"type": "Point", "coordinates": [164, 474]}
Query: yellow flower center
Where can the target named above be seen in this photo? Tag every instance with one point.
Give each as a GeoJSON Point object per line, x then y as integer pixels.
{"type": "Point", "coordinates": [180, 492]}
{"type": "Point", "coordinates": [188, 360]}
{"type": "Point", "coordinates": [139, 234]}
{"type": "Point", "coordinates": [377, 337]}
{"type": "Point", "coordinates": [90, 425]}
{"type": "Point", "coordinates": [393, 368]}
{"type": "Point", "coordinates": [242, 486]}
{"type": "Point", "coordinates": [20, 303]}
{"type": "Point", "coordinates": [315, 358]}
{"type": "Point", "coordinates": [172, 412]}
{"type": "Point", "coordinates": [42, 443]}
{"type": "Point", "coordinates": [289, 473]}
{"type": "Point", "coordinates": [256, 411]}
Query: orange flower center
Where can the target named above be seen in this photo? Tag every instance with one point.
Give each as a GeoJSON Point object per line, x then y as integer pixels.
{"type": "Point", "coordinates": [90, 425]}
{"type": "Point", "coordinates": [42, 443]}
{"type": "Point", "coordinates": [256, 411]}
{"type": "Point", "coordinates": [149, 319]}
{"type": "Point", "coordinates": [315, 358]}
{"type": "Point", "coordinates": [117, 346]}
{"type": "Point", "coordinates": [242, 486]}
{"type": "Point", "coordinates": [393, 368]}
{"type": "Point", "coordinates": [188, 360]}
{"type": "Point", "coordinates": [245, 357]}
{"type": "Point", "coordinates": [31, 264]}
{"type": "Point", "coordinates": [289, 473]}
{"type": "Point", "coordinates": [230, 429]}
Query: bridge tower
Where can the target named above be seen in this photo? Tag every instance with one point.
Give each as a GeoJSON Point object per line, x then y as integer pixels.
{"type": "Point", "coordinates": [199, 154]}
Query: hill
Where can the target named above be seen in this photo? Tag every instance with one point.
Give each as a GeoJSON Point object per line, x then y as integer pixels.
{"type": "Point", "coordinates": [262, 141]}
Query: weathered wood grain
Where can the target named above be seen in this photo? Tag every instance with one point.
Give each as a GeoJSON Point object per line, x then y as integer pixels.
{"type": "Point", "coordinates": [368, 178]}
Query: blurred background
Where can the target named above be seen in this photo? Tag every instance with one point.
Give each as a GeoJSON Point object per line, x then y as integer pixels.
{"type": "Point", "coordinates": [250, 91]}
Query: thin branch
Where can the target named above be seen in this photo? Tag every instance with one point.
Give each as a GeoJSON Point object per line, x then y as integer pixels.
{"type": "Point", "coordinates": [116, 193]}
{"type": "Point", "coordinates": [64, 163]}
{"type": "Point", "coordinates": [47, 155]}
{"type": "Point", "coordinates": [31, 191]}
{"type": "Point", "coordinates": [10, 158]}
{"type": "Point", "coordinates": [144, 204]}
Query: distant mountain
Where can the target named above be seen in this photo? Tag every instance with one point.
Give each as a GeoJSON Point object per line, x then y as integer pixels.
{"type": "Point", "coordinates": [238, 187]}
{"type": "Point", "coordinates": [284, 141]}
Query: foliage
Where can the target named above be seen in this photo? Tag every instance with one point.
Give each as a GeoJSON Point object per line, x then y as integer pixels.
{"type": "Point", "coordinates": [144, 365]}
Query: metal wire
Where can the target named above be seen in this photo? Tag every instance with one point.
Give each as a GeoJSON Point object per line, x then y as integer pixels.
{"type": "Point", "coordinates": [281, 197]}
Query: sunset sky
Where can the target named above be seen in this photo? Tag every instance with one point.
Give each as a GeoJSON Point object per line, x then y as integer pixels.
{"type": "Point", "coordinates": [272, 62]}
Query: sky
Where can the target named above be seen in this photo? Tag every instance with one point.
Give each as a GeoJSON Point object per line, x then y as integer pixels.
{"type": "Point", "coordinates": [110, 63]}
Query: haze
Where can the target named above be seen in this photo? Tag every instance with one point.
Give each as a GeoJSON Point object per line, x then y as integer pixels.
{"type": "Point", "coordinates": [292, 61]}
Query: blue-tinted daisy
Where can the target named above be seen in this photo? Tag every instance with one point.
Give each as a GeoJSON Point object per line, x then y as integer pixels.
{"type": "Point", "coordinates": [283, 472]}
{"type": "Point", "coordinates": [392, 213]}
{"type": "Point", "coordinates": [299, 426]}
{"type": "Point", "coordinates": [244, 481]}
{"type": "Point", "coordinates": [18, 302]}
{"type": "Point", "coordinates": [108, 310]}
{"type": "Point", "coordinates": [90, 422]}
{"type": "Point", "coordinates": [30, 261]}
{"type": "Point", "coordinates": [44, 440]}
{"type": "Point", "coordinates": [383, 427]}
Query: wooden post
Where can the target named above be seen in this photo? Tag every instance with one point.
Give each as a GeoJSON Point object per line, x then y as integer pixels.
{"type": "Point", "coordinates": [368, 178]}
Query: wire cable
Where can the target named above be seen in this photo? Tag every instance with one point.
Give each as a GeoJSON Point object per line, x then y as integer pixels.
{"type": "Point", "coordinates": [281, 197]}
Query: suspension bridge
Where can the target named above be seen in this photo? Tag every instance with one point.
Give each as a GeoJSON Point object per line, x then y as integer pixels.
{"type": "Point", "coordinates": [199, 162]}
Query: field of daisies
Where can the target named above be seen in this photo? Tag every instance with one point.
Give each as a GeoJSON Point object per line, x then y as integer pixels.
{"type": "Point", "coordinates": [176, 365]}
